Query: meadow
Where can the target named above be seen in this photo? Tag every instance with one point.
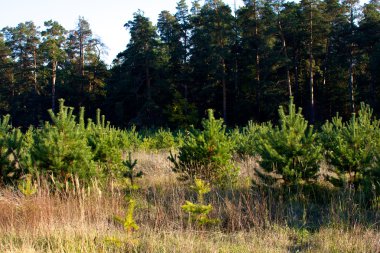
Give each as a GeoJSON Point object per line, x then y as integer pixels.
{"type": "Point", "coordinates": [81, 220]}
{"type": "Point", "coordinates": [76, 186]}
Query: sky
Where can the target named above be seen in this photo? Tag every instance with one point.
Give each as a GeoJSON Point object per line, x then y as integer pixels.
{"type": "Point", "coordinates": [106, 17]}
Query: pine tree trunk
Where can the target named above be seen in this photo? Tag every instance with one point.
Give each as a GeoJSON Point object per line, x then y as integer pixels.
{"type": "Point", "coordinates": [13, 99]}
{"type": "Point", "coordinates": [236, 73]}
{"type": "Point", "coordinates": [296, 81]}
{"type": "Point", "coordinates": [35, 70]}
{"type": "Point", "coordinates": [311, 80]}
{"type": "Point", "coordinates": [53, 80]}
{"type": "Point", "coordinates": [258, 88]}
{"type": "Point", "coordinates": [185, 65]}
{"type": "Point", "coordinates": [351, 68]}
{"type": "Point", "coordinates": [325, 62]}
{"type": "Point", "coordinates": [81, 56]}
{"type": "Point", "coordinates": [351, 83]}
{"type": "Point", "coordinates": [284, 47]}
{"type": "Point", "coordinates": [224, 91]}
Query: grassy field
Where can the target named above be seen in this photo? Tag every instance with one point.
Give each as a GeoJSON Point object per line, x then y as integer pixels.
{"type": "Point", "coordinates": [252, 219]}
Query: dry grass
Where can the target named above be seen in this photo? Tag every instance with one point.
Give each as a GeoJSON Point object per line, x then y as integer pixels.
{"type": "Point", "coordinates": [251, 221]}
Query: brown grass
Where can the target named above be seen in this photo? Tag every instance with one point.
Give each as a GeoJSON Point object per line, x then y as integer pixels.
{"type": "Point", "coordinates": [261, 220]}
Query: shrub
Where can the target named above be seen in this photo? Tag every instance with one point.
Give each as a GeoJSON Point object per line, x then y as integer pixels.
{"type": "Point", "coordinates": [128, 221]}
{"type": "Point", "coordinates": [352, 147]}
{"type": "Point", "coordinates": [26, 186]}
{"type": "Point", "coordinates": [207, 154]}
{"type": "Point", "coordinates": [61, 148]}
{"type": "Point", "coordinates": [199, 212]}
{"type": "Point", "coordinates": [14, 153]}
{"type": "Point", "coordinates": [161, 139]}
{"type": "Point", "coordinates": [246, 141]}
{"type": "Point", "coordinates": [129, 172]}
{"type": "Point", "coordinates": [106, 143]}
{"type": "Point", "coordinates": [290, 149]}
{"type": "Point", "coordinates": [130, 139]}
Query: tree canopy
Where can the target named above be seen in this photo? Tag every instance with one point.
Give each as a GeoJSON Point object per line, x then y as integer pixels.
{"type": "Point", "coordinates": [243, 64]}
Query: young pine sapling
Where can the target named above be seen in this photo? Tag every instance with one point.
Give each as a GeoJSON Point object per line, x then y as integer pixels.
{"type": "Point", "coordinates": [199, 212]}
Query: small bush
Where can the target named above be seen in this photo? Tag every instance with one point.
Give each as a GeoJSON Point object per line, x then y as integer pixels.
{"type": "Point", "coordinates": [246, 141]}
{"type": "Point", "coordinates": [61, 149]}
{"type": "Point", "coordinates": [352, 147]}
{"type": "Point", "coordinates": [128, 221]}
{"type": "Point", "coordinates": [199, 212]}
{"type": "Point", "coordinates": [129, 172]}
{"type": "Point", "coordinates": [14, 153]}
{"type": "Point", "coordinates": [27, 187]}
{"type": "Point", "coordinates": [106, 144]}
{"type": "Point", "coordinates": [290, 149]}
{"type": "Point", "coordinates": [207, 154]}
{"type": "Point", "coordinates": [130, 139]}
{"type": "Point", "coordinates": [162, 139]}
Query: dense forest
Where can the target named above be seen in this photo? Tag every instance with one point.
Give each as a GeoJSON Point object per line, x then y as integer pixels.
{"type": "Point", "coordinates": [243, 63]}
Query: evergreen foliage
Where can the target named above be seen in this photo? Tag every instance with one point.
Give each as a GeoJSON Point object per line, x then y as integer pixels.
{"type": "Point", "coordinates": [129, 171]}
{"type": "Point", "coordinates": [159, 140]}
{"type": "Point", "coordinates": [243, 64]}
{"type": "Point", "coordinates": [353, 146]}
{"type": "Point", "coordinates": [4, 151]}
{"type": "Point", "coordinates": [107, 144]}
{"type": "Point", "coordinates": [199, 212]}
{"type": "Point", "coordinates": [27, 187]}
{"type": "Point", "coordinates": [61, 148]}
{"type": "Point", "coordinates": [291, 148]}
{"type": "Point", "coordinates": [246, 140]}
{"type": "Point", "coordinates": [207, 154]}
{"type": "Point", "coordinates": [128, 221]}
{"type": "Point", "coordinates": [14, 152]}
{"type": "Point", "coordinates": [130, 139]}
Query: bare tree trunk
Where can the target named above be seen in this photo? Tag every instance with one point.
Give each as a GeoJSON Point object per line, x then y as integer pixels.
{"type": "Point", "coordinates": [351, 83]}
{"type": "Point", "coordinates": [35, 70]}
{"type": "Point", "coordinates": [284, 47]}
{"type": "Point", "coordinates": [258, 88]}
{"type": "Point", "coordinates": [296, 82]}
{"type": "Point", "coordinates": [325, 62]}
{"type": "Point", "coordinates": [185, 64]}
{"type": "Point", "coordinates": [236, 78]}
{"type": "Point", "coordinates": [13, 93]}
{"type": "Point", "coordinates": [351, 68]}
{"type": "Point", "coordinates": [311, 80]}
{"type": "Point", "coordinates": [223, 68]}
{"type": "Point", "coordinates": [224, 91]}
{"type": "Point", "coordinates": [236, 73]}
{"type": "Point", "coordinates": [53, 80]}
{"type": "Point", "coordinates": [81, 56]}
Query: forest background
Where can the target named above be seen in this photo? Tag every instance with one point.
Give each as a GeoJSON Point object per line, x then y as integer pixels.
{"type": "Point", "coordinates": [243, 63]}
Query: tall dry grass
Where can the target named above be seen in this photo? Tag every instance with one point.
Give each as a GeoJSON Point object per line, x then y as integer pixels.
{"type": "Point", "coordinates": [252, 220]}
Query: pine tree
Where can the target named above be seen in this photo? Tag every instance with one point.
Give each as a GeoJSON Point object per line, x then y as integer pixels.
{"type": "Point", "coordinates": [290, 149]}
{"type": "Point", "coordinates": [352, 147]}
{"type": "Point", "coordinates": [24, 41]}
{"type": "Point", "coordinates": [207, 154]}
{"type": "Point", "coordinates": [14, 153]}
{"type": "Point", "coordinates": [107, 144]}
{"type": "Point", "coordinates": [211, 42]}
{"type": "Point", "coordinates": [61, 149]}
{"type": "Point", "coordinates": [199, 211]}
{"type": "Point", "coordinates": [52, 49]}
